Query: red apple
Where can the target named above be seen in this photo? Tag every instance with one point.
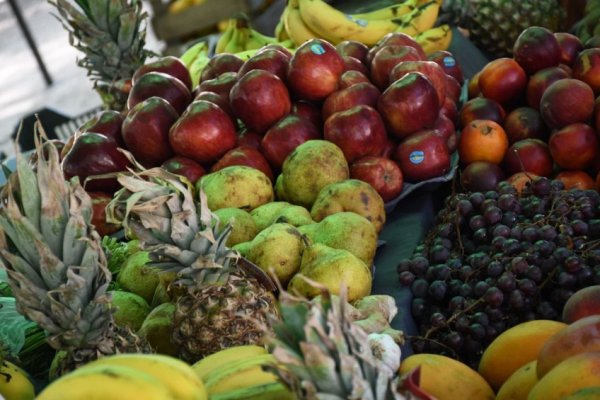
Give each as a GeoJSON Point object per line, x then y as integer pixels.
{"type": "Point", "coordinates": [220, 63]}
{"type": "Point", "coordinates": [524, 123]}
{"type": "Point", "coordinates": [99, 202]}
{"type": "Point", "coordinates": [447, 61]}
{"type": "Point", "coordinates": [358, 131]}
{"type": "Point", "coordinates": [587, 68]}
{"type": "Point", "coordinates": [350, 78]}
{"type": "Point", "coordinates": [219, 99]}
{"type": "Point", "coordinates": [566, 102]}
{"type": "Point", "coordinates": [386, 59]}
{"type": "Point", "coordinates": [169, 65]}
{"type": "Point", "coordinates": [272, 60]}
{"type": "Point", "coordinates": [596, 121]}
{"type": "Point", "coordinates": [382, 173]}
{"type": "Point", "coordinates": [539, 82]}
{"type": "Point", "coordinates": [528, 155]}
{"type": "Point", "coordinates": [481, 108]}
{"type": "Point", "coordinates": [453, 88]}
{"type": "Point", "coordinates": [161, 85]}
{"type": "Point", "coordinates": [309, 111]}
{"type": "Point", "coordinates": [389, 148]}
{"type": "Point", "coordinates": [185, 167]}
{"type": "Point", "coordinates": [449, 110]}
{"type": "Point", "coordinates": [244, 156]}
{"type": "Point", "coordinates": [448, 131]}
{"type": "Point", "coordinates": [503, 80]}
{"type": "Point", "coordinates": [430, 69]}
{"type": "Point", "coordinates": [314, 70]}
{"type": "Point", "coordinates": [570, 46]}
{"type": "Point", "coordinates": [481, 176]}
{"type": "Point", "coordinates": [278, 47]}
{"type": "Point", "coordinates": [423, 155]}
{"type": "Point", "coordinates": [354, 64]}
{"type": "Point", "coordinates": [354, 49]}
{"type": "Point", "coordinates": [260, 99]}
{"type": "Point", "coordinates": [574, 147]}
{"type": "Point", "coordinates": [409, 105]}
{"type": "Point", "coordinates": [402, 39]}
{"type": "Point", "coordinates": [108, 123]}
{"type": "Point", "coordinates": [283, 137]}
{"type": "Point", "coordinates": [204, 133]}
{"type": "Point", "coordinates": [220, 85]}
{"type": "Point", "coordinates": [341, 100]}
{"type": "Point", "coordinates": [248, 138]}
{"type": "Point", "coordinates": [146, 131]}
{"type": "Point", "coordinates": [94, 154]}
{"type": "Point", "coordinates": [536, 48]}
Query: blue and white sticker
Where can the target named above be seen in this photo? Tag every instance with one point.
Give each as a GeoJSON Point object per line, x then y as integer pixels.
{"type": "Point", "coordinates": [358, 21]}
{"type": "Point", "coordinates": [449, 61]}
{"type": "Point", "coordinates": [416, 157]}
{"type": "Point", "coordinates": [317, 49]}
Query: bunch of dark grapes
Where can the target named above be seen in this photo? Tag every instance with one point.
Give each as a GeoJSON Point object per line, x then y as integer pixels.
{"type": "Point", "coordinates": [499, 258]}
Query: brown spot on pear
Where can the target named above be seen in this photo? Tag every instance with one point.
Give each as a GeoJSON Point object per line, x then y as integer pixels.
{"type": "Point", "coordinates": [137, 277]}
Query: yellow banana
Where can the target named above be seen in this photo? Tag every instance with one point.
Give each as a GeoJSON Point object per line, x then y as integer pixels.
{"type": "Point", "coordinates": [269, 391]}
{"type": "Point", "coordinates": [394, 11]}
{"type": "Point", "coordinates": [177, 376]}
{"type": "Point", "coordinates": [103, 382]}
{"type": "Point", "coordinates": [179, 5]}
{"type": "Point", "coordinates": [224, 357]}
{"type": "Point", "coordinates": [420, 19]}
{"type": "Point", "coordinates": [257, 40]}
{"type": "Point", "coordinates": [280, 32]}
{"type": "Point", "coordinates": [225, 37]}
{"type": "Point", "coordinates": [297, 30]}
{"type": "Point", "coordinates": [240, 374]}
{"type": "Point", "coordinates": [435, 39]}
{"type": "Point", "coordinates": [194, 52]}
{"type": "Point", "coordinates": [335, 26]}
{"type": "Point", "coordinates": [197, 67]}
{"type": "Point", "coordinates": [15, 383]}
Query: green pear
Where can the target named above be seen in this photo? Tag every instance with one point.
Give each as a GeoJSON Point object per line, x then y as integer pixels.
{"type": "Point", "coordinates": [158, 327]}
{"type": "Point", "coordinates": [163, 292]}
{"type": "Point", "coordinates": [332, 268]}
{"type": "Point", "coordinates": [345, 230]}
{"type": "Point", "coordinates": [130, 309]}
{"type": "Point", "coordinates": [279, 247]}
{"type": "Point", "coordinates": [280, 211]}
{"type": "Point", "coordinates": [309, 168]}
{"type": "Point", "coordinates": [350, 195]}
{"type": "Point", "coordinates": [137, 277]}
{"type": "Point", "coordinates": [242, 224]}
{"type": "Point", "coordinates": [279, 190]}
{"type": "Point", "coordinates": [243, 248]}
{"type": "Point", "coordinates": [237, 186]}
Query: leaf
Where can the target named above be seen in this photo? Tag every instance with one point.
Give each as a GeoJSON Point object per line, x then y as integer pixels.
{"type": "Point", "coordinates": [13, 327]}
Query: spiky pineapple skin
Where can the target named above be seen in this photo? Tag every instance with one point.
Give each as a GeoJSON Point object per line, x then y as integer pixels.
{"type": "Point", "coordinates": [222, 316]}
{"type": "Point", "coordinates": [494, 25]}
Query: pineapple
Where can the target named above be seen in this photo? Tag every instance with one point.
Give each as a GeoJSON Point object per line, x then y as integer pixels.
{"type": "Point", "coordinates": [111, 34]}
{"type": "Point", "coordinates": [494, 25]}
{"type": "Point", "coordinates": [219, 305]}
{"type": "Point", "coordinates": [55, 264]}
{"type": "Point", "coordinates": [321, 354]}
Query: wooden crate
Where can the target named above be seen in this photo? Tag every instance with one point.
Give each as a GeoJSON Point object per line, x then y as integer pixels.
{"type": "Point", "coordinates": [173, 27]}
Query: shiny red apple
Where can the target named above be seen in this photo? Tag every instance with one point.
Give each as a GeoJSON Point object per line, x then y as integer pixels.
{"type": "Point", "coordinates": [386, 59]}
{"type": "Point", "coordinates": [161, 85]}
{"type": "Point", "coordinates": [383, 174]}
{"type": "Point", "coordinates": [350, 78]}
{"type": "Point", "coordinates": [244, 156]}
{"type": "Point", "coordinates": [423, 155]}
{"type": "Point", "coordinates": [271, 60]}
{"type": "Point", "coordinates": [186, 167]}
{"type": "Point", "coordinates": [430, 69]}
{"type": "Point", "coordinates": [221, 63]}
{"type": "Point", "coordinates": [448, 62]}
{"type": "Point", "coordinates": [341, 100]}
{"type": "Point", "coordinates": [169, 65]}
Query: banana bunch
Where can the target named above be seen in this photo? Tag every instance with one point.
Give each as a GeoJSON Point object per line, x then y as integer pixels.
{"type": "Point", "coordinates": [178, 6]}
{"type": "Point", "coordinates": [195, 59]}
{"type": "Point", "coordinates": [237, 373]}
{"type": "Point", "coordinates": [15, 383]}
{"type": "Point", "coordinates": [589, 25]}
{"type": "Point", "coordinates": [129, 377]}
{"type": "Point", "coordinates": [239, 36]}
{"type": "Point", "coordinates": [302, 20]}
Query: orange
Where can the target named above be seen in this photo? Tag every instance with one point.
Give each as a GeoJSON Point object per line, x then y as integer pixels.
{"type": "Point", "coordinates": [482, 140]}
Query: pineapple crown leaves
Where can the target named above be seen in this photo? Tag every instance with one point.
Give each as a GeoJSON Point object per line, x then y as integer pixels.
{"type": "Point", "coordinates": [55, 265]}
{"type": "Point", "coordinates": [111, 34]}
{"type": "Point", "coordinates": [321, 354]}
{"type": "Point", "coordinates": [180, 234]}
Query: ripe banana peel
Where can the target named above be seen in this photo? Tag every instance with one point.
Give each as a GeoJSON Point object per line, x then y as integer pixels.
{"type": "Point", "coordinates": [394, 11]}
{"type": "Point", "coordinates": [115, 382]}
{"type": "Point", "coordinates": [15, 383]}
{"type": "Point", "coordinates": [224, 357]}
{"type": "Point", "coordinates": [240, 374]}
{"type": "Point", "coordinates": [269, 391]}
{"type": "Point", "coordinates": [177, 376]}
{"type": "Point", "coordinates": [434, 39]}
